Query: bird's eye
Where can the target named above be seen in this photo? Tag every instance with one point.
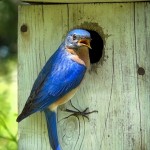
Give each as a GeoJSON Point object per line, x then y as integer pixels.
{"type": "Point", "coordinates": [74, 36]}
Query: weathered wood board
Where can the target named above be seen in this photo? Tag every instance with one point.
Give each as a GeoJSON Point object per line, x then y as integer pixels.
{"type": "Point", "coordinates": [82, 1]}
{"type": "Point", "coordinates": [117, 91]}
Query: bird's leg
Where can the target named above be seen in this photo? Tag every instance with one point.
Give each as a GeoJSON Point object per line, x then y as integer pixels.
{"type": "Point", "coordinates": [77, 112]}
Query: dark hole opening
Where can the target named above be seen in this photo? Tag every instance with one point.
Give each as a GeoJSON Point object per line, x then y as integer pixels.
{"type": "Point", "coordinates": [97, 45]}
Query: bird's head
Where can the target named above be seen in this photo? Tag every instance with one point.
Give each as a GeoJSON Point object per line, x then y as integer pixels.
{"type": "Point", "coordinates": [78, 38]}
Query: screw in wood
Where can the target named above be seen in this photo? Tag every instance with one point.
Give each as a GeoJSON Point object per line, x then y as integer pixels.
{"type": "Point", "coordinates": [141, 71]}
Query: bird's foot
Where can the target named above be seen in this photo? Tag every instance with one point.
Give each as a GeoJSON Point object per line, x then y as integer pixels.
{"type": "Point", "coordinates": [77, 112]}
{"type": "Point", "coordinates": [84, 113]}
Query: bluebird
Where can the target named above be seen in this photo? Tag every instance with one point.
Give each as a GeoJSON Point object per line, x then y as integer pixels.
{"type": "Point", "coordinates": [59, 80]}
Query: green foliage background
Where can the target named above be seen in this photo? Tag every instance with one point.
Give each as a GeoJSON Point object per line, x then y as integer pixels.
{"type": "Point", "coordinates": [8, 74]}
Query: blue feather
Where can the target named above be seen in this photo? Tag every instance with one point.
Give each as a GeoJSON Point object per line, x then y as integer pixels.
{"type": "Point", "coordinates": [52, 129]}
{"type": "Point", "coordinates": [59, 76]}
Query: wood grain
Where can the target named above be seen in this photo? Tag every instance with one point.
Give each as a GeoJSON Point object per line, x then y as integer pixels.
{"type": "Point", "coordinates": [117, 91]}
{"type": "Point", "coordinates": [35, 47]}
{"type": "Point", "coordinates": [82, 1]}
{"type": "Point", "coordinates": [142, 44]}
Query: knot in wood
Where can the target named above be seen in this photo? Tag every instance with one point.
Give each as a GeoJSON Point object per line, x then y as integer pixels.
{"type": "Point", "coordinates": [24, 28]}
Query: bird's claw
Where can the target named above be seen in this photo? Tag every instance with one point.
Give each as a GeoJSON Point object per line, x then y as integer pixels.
{"type": "Point", "coordinates": [82, 113]}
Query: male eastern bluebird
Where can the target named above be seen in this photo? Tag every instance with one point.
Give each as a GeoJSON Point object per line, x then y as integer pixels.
{"type": "Point", "coordinates": [59, 80]}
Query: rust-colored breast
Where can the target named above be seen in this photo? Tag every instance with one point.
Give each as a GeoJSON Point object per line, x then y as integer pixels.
{"type": "Point", "coordinates": [63, 100]}
{"type": "Point", "coordinates": [81, 56]}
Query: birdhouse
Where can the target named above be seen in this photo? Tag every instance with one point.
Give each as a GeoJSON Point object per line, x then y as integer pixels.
{"type": "Point", "coordinates": [117, 85]}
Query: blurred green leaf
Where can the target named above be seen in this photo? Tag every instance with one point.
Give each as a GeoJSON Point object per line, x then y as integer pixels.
{"type": "Point", "coordinates": [8, 35]}
{"type": "Point", "coordinates": [8, 81]}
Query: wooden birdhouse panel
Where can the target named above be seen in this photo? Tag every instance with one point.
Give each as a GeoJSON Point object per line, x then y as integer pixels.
{"type": "Point", "coordinates": [117, 86]}
{"type": "Point", "coordinates": [36, 44]}
{"type": "Point", "coordinates": [81, 1]}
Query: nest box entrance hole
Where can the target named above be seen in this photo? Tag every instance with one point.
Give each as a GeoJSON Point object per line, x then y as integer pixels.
{"type": "Point", "coordinates": [97, 45]}
{"type": "Point", "coordinates": [98, 40]}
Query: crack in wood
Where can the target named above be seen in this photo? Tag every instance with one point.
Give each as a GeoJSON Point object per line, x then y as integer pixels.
{"type": "Point", "coordinates": [109, 99]}
{"type": "Point", "coordinates": [83, 133]}
{"type": "Point", "coordinates": [137, 78]}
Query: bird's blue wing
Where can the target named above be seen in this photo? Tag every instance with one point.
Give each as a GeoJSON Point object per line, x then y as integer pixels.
{"type": "Point", "coordinates": [65, 75]}
{"type": "Point", "coordinates": [59, 76]}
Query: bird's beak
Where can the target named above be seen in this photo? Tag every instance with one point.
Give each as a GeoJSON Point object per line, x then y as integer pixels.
{"type": "Point", "coordinates": [85, 42]}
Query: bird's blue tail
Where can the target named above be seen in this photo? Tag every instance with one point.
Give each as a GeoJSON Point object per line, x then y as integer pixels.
{"type": "Point", "coordinates": [52, 129]}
